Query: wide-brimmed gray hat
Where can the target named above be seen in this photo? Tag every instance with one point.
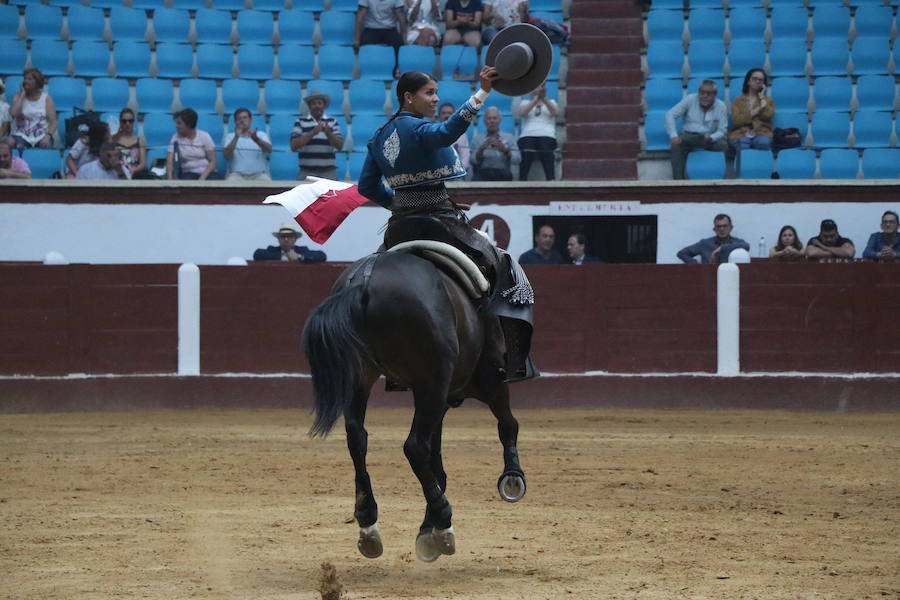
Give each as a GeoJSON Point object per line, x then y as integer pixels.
{"type": "Point", "coordinates": [317, 95]}
{"type": "Point", "coordinates": [522, 55]}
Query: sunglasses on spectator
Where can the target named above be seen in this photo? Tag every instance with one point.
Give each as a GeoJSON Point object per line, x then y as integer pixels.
{"type": "Point", "coordinates": [126, 120]}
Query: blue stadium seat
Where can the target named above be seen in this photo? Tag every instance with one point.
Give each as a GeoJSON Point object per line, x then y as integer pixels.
{"type": "Point", "coordinates": [364, 127]}
{"type": "Point", "coordinates": [280, 127]}
{"type": "Point", "coordinates": [174, 61]}
{"type": "Point", "coordinates": [12, 59]}
{"type": "Point", "coordinates": [296, 62]}
{"type": "Point", "coordinates": [664, 25]}
{"type": "Point", "coordinates": [43, 22]}
{"type": "Point", "coordinates": [132, 59]}
{"type": "Point", "coordinates": [283, 166]}
{"type": "Point", "coordinates": [190, 4]}
{"type": "Point", "coordinates": [375, 62]}
{"type": "Point", "coordinates": [745, 3]}
{"type": "Point", "coordinates": [154, 95]}
{"type": "Point", "coordinates": [454, 92]}
{"type": "Point", "coordinates": [457, 60]}
{"type": "Point", "coordinates": [870, 56]}
{"type": "Point", "coordinates": [237, 5]}
{"type": "Point", "coordinates": [42, 162]}
{"type": "Point", "coordinates": [830, 21]}
{"type": "Point", "coordinates": [355, 163]}
{"type": "Point", "coordinates": [872, 21]}
{"type": "Point", "coordinates": [215, 61]}
{"type": "Point", "coordinates": [344, 5]}
{"type": "Point", "coordinates": [706, 3]}
{"type": "Point", "coordinates": [706, 24]}
{"type": "Point", "coordinates": [212, 124]}
{"type": "Point", "coordinates": [662, 94]}
{"type": "Point", "coordinates": [417, 58]}
{"type": "Point", "coordinates": [664, 59]}
{"type": "Point", "coordinates": [9, 22]}
{"type": "Point", "coordinates": [704, 164]}
{"type": "Point", "coordinates": [830, 56]}
{"type": "Point", "coordinates": [237, 93]}
{"type": "Point", "coordinates": [158, 128]}
{"type": "Point", "coordinates": [872, 129]}
{"type": "Point", "coordinates": [90, 59]}
{"type": "Point", "coordinates": [86, 23]}
{"type": "Point", "coordinates": [145, 4]}
{"type": "Point", "coordinates": [789, 23]}
{"type": "Point", "coordinates": [706, 59]}
{"type": "Point", "coordinates": [128, 24]}
{"type": "Point", "coordinates": [255, 61]}
{"type": "Point", "coordinates": [876, 92]}
{"type": "Point", "coordinates": [282, 97]}
{"type": "Point", "coordinates": [171, 25]}
{"type": "Point", "coordinates": [744, 55]}
{"type": "Point", "coordinates": [747, 24]}
{"type": "Point", "coordinates": [796, 164]}
{"type": "Point", "coordinates": [754, 164]}
{"type": "Point", "coordinates": [790, 94]}
{"type": "Point", "coordinates": [881, 163]}
{"type": "Point", "coordinates": [337, 62]}
{"type": "Point", "coordinates": [13, 85]}
{"type": "Point", "coordinates": [334, 89]}
{"type": "Point", "coordinates": [554, 63]}
{"type": "Point", "coordinates": [503, 103]}
{"type": "Point", "coordinates": [59, 3]}
{"type": "Point", "coordinates": [787, 58]}
{"type": "Point", "coordinates": [296, 27]}
{"type": "Point", "coordinates": [255, 27]}
{"type": "Point", "coordinates": [67, 92]}
{"type": "Point", "coordinates": [337, 27]}
{"type": "Point", "coordinates": [832, 93]}
{"type": "Point", "coordinates": [50, 56]}
{"type": "Point", "coordinates": [839, 163]}
{"type": "Point", "coordinates": [796, 119]}
{"type": "Point", "coordinates": [213, 26]}
{"type": "Point", "coordinates": [199, 94]}
{"type": "Point", "coordinates": [655, 130]}
{"type": "Point", "coordinates": [830, 129]}
{"type": "Point", "coordinates": [269, 5]}
{"type": "Point", "coordinates": [367, 97]}
{"type": "Point", "coordinates": [105, 3]}
{"type": "Point", "coordinates": [551, 5]}
{"type": "Point", "coordinates": [110, 95]}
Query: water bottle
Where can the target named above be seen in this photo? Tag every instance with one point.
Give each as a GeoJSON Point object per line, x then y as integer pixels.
{"type": "Point", "coordinates": [762, 246]}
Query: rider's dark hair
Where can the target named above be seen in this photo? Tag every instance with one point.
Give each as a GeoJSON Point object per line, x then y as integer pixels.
{"type": "Point", "coordinates": [412, 82]}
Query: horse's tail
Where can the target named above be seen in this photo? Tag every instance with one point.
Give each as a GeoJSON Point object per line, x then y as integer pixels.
{"type": "Point", "coordinates": [336, 354]}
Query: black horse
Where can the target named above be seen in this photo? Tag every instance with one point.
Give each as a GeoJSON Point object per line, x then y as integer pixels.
{"type": "Point", "coordinates": [397, 314]}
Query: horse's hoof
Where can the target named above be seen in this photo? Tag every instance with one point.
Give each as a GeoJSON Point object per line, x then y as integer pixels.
{"type": "Point", "coordinates": [369, 543]}
{"type": "Point", "coordinates": [431, 544]}
{"type": "Point", "coordinates": [511, 486]}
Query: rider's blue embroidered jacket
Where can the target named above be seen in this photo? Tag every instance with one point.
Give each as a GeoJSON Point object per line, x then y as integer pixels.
{"type": "Point", "coordinates": [411, 151]}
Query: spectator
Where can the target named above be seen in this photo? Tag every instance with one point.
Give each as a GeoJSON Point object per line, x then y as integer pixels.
{"type": "Point", "coordinates": [5, 119]}
{"type": "Point", "coordinates": [463, 21]}
{"type": "Point", "coordinates": [575, 248]}
{"type": "Point", "coordinates": [829, 245]}
{"type": "Point", "coordinates": [500, 13]}
{"type": "Point", "coordinates": [788, 247]}
{"type": "Point", "coordinates": [319, 136]}
{"type": "Point", "coordinates": [717, 248]}
{"type": "Point", "coordinates": [87, 147]}
{"type": "Point", "coordinates": [461, 145]}
{"type": "Point", "coordinates": [12, 167]}
{"type": "Point", "coordinates": [884, 246]}
{"type": "Point", "coordinates": [247, 149]}
{"type": "Point", "coordinates": [423, 17]}
{"type": "Point", "coordinates": [132, 147]}
{"type": "Point", "coordinates": [495, 150]}
{"type": "Point", "coordinates": [543, 252]}
{"type": "Point", "coordinates": [538, 138]}
{"type": "Point", "coordinates": [377, 22]}
{"type": "Point", "coordinates": [751, 115]}
{"type": "Point", "coordinates": [191, 153]}
{"type": "Point", "coordinates": [286, 249]}
{"type": "Point", "coordinates": [109, 165]}
{"type": "Point", "coordinates": [33, 112]}
{"type": "Point", "coordinates": [704, 124]}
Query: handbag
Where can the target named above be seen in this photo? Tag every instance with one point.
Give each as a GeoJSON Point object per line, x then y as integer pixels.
{"type": "Point", "coordinates": [785, 138]}
{"type": "Point", "coordinates": [79, 124]}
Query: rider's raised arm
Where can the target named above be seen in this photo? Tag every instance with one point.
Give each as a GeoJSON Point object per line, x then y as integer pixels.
{"type": "Point", "coordinates": [370, 184]}
{"type": "Point", "coordinates": [440, 135]}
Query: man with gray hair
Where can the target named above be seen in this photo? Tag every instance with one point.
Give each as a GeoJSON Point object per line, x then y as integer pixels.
{"type": "Point", "coordinates": [495, 151]}
{"type": "Point", "coordinates": [704, 125]}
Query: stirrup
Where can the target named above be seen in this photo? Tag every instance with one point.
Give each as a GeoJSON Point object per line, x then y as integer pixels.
{"type": "Point", "coordinates": [526, 370]}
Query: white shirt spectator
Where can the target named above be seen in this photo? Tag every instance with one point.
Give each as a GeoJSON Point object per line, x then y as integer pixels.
{"type": "Point", "coordinates": [248, 157]}
{"type": "Point", "coordinates": [713, 122]}
{"type": "Point", "coordinates": [381, 13]}
{"type": "Point", "coordinates": [539, 122]}
{"type": "Point", "coordinates": [94, 170]}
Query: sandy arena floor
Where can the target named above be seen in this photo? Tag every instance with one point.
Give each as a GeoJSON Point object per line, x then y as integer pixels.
{"type": "Point", "coordinates": [620, 504]}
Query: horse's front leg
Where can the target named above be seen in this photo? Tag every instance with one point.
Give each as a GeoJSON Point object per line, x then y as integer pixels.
{"type": "Point", "coordinates": [511, 484]}
{"type": "Point", "coordinates": [366, 509]}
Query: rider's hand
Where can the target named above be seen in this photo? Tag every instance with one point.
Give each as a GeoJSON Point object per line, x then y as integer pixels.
{"type": "Point", "coordinates": [487, 76]}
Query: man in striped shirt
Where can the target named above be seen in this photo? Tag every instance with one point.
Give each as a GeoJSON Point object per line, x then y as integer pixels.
{"type": "Point", "coordinates": [315, 137]}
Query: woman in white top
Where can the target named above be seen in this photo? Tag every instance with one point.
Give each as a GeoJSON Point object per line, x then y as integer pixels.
{"type": "Point", "coordinates": [33, 113]}
{"type": "Point", "coordinates": [423, 17]}
{"type": "Point", "coordinates": [538, 137]}
{"type": "Point", "coordinates": [191, 153]}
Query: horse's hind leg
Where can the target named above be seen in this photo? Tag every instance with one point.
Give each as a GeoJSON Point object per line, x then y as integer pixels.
{"type": "Point", "coordinates": [511, 484]}
{"type": "Point", "coordinates": [366, 509]}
